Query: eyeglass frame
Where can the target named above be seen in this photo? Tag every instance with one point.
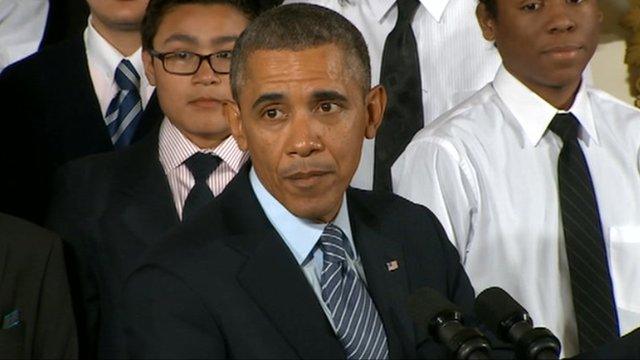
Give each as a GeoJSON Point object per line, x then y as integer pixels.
{"type": "Point", "coordinates": [161, 56]}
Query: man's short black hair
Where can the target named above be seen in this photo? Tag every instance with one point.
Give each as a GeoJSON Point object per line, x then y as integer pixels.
{"type": "Point", "coordinates": [491, 7]}
{"type": "Point", "coordinates": [157, 9]}
{"type": "Point", "coordinates": [297, 27]}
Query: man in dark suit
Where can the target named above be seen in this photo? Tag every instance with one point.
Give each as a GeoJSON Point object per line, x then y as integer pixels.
{"type": "Point", "coordinates": [36, 319]}
{"type": "Point", "coordinates": [289, 258]}
{"type": "Point", "coordinates": [110, 207]}
{"type": "Point", "coordinates": [57, 104]}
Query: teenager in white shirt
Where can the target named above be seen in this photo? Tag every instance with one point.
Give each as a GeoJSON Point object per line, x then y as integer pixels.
{"type": "Point", "coordinates": [488, 168]}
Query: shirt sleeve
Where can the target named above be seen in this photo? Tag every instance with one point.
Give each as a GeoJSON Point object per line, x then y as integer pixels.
{"type": "Point", "coordinates": [433, 173]}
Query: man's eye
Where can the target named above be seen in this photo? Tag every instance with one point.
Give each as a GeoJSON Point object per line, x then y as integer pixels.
{"type": "Point", "coordinates": [224, 55]}
{"type": "Point", "coordinates": [183, 55]}
{"type": "Point", "coordinates": [273, 114]}
{"type": "Point", "coordinates": [531, 6]}
{"type": "Point", "coordinates": [328, 107]}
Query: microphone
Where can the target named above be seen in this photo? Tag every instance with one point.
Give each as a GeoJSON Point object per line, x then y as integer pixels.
{"type": "Point", "coordinates": [512, 323]}
{"type": "Point", "coordinates": [443, 321]}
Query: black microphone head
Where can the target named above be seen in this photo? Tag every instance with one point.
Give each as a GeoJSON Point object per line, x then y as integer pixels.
{"type": "Point", "coordinates": [498, 310]}
{"type": "Point", "coordinates": [426, 303]}
{"type": "Point", "coordinates": [427, 307]}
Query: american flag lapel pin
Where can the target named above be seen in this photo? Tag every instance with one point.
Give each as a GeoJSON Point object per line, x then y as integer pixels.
{"type": "Point", "coordinates": [392, 265]}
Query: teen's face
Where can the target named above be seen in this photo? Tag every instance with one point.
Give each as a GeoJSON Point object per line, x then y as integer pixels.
{"type": "Point", "coordinates": [193, 103]}
{"type": "Point", "coordinates": [544, 43]}
{"type": "Point", "coordinates": [117, 14]}
{"type": "Point", "coordinates": [303, 117]}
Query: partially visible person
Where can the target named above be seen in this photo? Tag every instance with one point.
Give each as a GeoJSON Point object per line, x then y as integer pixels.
{"type": "Point", "coordinates": [36, 318]}
{"type": "Point", "coordinates": [29, 26]}
{"type": "Point", "coordinates": [110, 207]}
{"type": "Point", "coordinates": [536, 177]}
{"type": "Point", "coordinates": [83, 96]}
{"type": "Point", "coordinates": [289, 261]}
{"type": "Point", "coordinates": [448, 61]}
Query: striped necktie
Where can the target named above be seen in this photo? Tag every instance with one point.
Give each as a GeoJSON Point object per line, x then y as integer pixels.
{"type": "Point", "coordinates": [354, 314]}
{"type": "Point", "coordinates": [125, 110]}
{"type": "Point", "coordinates": [588, 267]}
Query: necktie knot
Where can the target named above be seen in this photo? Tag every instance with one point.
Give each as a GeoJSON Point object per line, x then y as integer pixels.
{"type": "Point", "coordinates": [565, 126]}
{"type": "Point", "coordinates": [201, 165]}
{"type": "Point", "coordinates": [406, 10]}
{"type": "Point", "coordinates": [126, 76]}
{"type": "Point", "coordinates": [334, 244]}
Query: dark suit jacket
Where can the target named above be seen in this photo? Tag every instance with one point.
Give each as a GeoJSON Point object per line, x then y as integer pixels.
{"type": "Point", "coordinates": [108, 208]}
{"type": "Point", "coordinates": [34, 282]}
{"type": "Point", "coordinates": [50, 115]}
{"type": "Point", "coordinates": [66, 18]}
{"type": "Point", "coordinates": [226, 284]}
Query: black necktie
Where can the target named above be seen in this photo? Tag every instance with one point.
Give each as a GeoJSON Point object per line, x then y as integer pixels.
{"type": "Point", "coordinates": [588, 267]}
{"type": "Point", "coordinates": [400, 75]}
{"type": "Point", "coordinates": [200, 165]}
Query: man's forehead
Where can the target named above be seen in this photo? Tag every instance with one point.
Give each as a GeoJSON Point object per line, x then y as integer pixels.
{"type": "Point", "coordinates": [319, 66]}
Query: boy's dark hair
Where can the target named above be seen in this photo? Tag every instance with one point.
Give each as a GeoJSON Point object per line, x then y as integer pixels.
{"type": "Point", "coordinates": [157, 9]}
{"type": "Point", "coordinates": [491, 7]}
{"type": "Point", "coordinates": [298, 27]}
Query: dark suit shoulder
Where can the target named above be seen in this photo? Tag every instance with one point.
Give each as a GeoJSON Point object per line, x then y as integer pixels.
{"type": "Point", "coordinates": [384, 209]}
{"type": "Point", "coordinates": [28, 244]}
{"type": "Point", "coordinates": [44, 61]}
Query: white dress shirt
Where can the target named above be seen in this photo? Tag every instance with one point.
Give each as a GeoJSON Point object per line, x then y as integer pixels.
{"type": "Point", "coordinates": [174, 148]}
{"type": "Point", "coordinates": [103, 61]}
{"type": "Point", "coordinates": [488, 170]}
{"type": "Point", "coordinates": [455, 60]}
{"type": "Point", "coordinates": [22, 25]}
{"type": "Point", "coordinates": [301, 237]}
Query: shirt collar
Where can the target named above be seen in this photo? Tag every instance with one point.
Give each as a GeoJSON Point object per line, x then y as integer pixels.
{"type": "Point", "coordinates": [300, 235]}
{"type": "Point", "coordinates": [106, 57]}
{"type": "Point", "coordinates": [175, 148]}
{"type": "Point", "coordinates": [380, 8]}
{"type": "Point", "coordinates": [533, 113]}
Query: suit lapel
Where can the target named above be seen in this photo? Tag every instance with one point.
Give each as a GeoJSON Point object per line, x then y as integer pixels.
{"type": "Point", "coordinates": [141, 208]}
{"type": "Point", "coordinates": [273, 278]}
{"type": "Point", "coordinates": [75, 124]}
{"type": "Point", "coordinates": [387, 286]}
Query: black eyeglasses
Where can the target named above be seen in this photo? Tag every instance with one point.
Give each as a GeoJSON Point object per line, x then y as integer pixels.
{"type": "Point", "coordinates": [188, 63]}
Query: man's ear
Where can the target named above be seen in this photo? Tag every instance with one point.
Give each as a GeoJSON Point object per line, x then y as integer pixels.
{"type": "Point", "coordinates": [149, 70]}
{"type": "Point", "coordinates": [487, 22]}
{"type": "Point", "coordinates": [232, 114]}
{"type": "Point", "coordinates": [376, 103]}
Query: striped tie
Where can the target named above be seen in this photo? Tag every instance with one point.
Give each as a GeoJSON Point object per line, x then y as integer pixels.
{"type": "Point", "coordinates": [588, 267]}
{"type": "Point", "coordinates": [354, 314]}
{"type": "Point", "coordinates": [125, 110]}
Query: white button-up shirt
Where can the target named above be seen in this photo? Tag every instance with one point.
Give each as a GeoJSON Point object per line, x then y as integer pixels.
{"type": "Point", "coordinates": [488, 170]}
{"type": "Point", "coordinates": [455, 60]}
{"type": "Point", "coordinates": [174, 148]}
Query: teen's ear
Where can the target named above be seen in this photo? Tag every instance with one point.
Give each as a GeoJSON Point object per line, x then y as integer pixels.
{"type": "Point", "coordinates": [487, 22]}
{"type": "Point", "coordinates": [232, 114]}
{"type": "Point", "coordinates": [149, 70]}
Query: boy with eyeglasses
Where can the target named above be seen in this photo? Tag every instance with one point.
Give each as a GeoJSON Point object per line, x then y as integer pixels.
{"type": "Point", "coordinates": [111, 207]}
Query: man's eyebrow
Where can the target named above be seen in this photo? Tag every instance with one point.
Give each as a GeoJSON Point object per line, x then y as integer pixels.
{"type": "Point", "coordinates": [181, 37]}
{"type": "Point", "coordinates": [267, 98]}
{"type": "Point", "coordinates": [324, 95]}
{"type": "Point", "coordinates": [224, 39]}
